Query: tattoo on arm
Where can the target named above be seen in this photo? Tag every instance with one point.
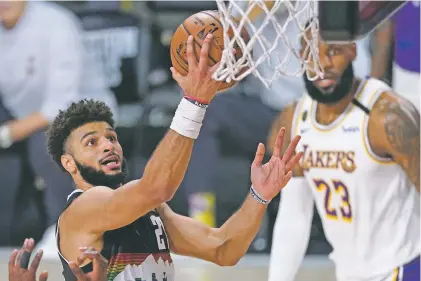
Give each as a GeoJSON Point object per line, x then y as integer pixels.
{"type": "Point", "coordinates": [402, 127]}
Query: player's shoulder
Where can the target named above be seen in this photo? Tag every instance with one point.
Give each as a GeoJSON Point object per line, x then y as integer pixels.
{"type": "Point", "coordinates": [290, 109]}
{"type": "Point", "coordinates": [390, 107]}
{"type": "Point", "coordinates": [89, 198]}
{"type": "Point", "coordinates": [375, 84]}
{"type": "Point", "coordinates": [286, 117]}
{"type": "Point", "coordinates": [100, 194]}
{"type": "Point", "coordinates": [391, 116]}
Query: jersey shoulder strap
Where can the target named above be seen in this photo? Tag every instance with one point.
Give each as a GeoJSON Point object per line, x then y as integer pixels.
{"type": "Point", "coordinates": [72, 196]}
{"type": "Point", "coordinates": [370, 92]}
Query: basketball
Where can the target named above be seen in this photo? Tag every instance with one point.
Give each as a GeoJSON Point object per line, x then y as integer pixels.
{"type": "Point", "coordinates": [199, 25]}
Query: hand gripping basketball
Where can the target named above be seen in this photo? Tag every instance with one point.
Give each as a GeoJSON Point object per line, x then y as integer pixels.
{"type": "Point", "coordinates": [270, 178]}
{"type": "Point", "coordinates": [198, 84]}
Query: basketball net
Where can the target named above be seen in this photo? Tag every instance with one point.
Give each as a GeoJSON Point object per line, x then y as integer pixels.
{"type": "Point", "coordinates": [235, 16]}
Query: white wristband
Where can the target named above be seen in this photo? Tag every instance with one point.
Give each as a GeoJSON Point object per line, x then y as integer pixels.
{"type": "Point", "coordinates": [5, 137]}
{"type": "Point", "coordinates": [188, 119]}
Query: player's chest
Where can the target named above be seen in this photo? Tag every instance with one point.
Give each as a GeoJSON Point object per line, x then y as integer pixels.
{"type": "Point", "coordinates": [145, 235]}
{"type": "Point", "coordinates": [328, 153]}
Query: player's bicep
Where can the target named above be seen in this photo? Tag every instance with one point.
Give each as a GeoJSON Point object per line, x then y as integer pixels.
{"type": "Point", "coordinates": [395, 131]}
{"type": "Point", "coordinates": [100, 208]}
{"type": "Point", "coordinates": [189, 237]}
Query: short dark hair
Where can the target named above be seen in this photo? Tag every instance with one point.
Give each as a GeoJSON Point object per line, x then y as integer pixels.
{"type": "Point", "coordinates": [76, 115]}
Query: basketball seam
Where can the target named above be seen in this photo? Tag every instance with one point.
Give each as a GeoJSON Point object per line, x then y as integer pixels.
{"type": "Point", "coordinates": [205, 12]}
{"type": "Point", "coordinates": [180, 57]}
{"type": "Point", "coordinates": [178, 62]}
{"type": "Point", "coordinates": [194, 49]}
{"type": "Point", "coordinates": [209, 14]}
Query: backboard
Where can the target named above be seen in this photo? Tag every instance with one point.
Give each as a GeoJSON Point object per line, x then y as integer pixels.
{"type": "Point", "coordinates": [345, 21]}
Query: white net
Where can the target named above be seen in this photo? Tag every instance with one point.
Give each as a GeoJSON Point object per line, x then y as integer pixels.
{"type": "Point", "coordinates": [273, 49]}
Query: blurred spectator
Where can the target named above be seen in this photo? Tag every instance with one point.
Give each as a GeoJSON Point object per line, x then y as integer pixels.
{"type": "Point", "coordinates": [404, 27]}
{"type": "Point", "coordinates": [406, 67]}
{"type": "Point", "coordinates": [43, 69]}
{"type": "Point", "coordinates": [245, 113]}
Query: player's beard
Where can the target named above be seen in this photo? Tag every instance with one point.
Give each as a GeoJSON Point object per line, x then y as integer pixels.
{"type": "Point", "coordinates": [99, 178]}
{"type": "Point", "coordinates": [339, 92]}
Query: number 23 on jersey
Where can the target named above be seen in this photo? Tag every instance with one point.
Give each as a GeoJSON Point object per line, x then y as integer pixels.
{"type": "Point", "coordinates": [333, 191]}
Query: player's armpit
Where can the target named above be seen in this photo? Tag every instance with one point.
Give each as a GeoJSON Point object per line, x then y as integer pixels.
{"type": "Point", "coordinates": [394, 131]}
{"type": "Point", "coordinates": [224, 246]}
{"type": "Point", "coordinates": [100, 208]}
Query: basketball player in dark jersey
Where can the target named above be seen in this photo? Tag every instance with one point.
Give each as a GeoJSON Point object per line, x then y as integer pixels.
{"type": "Point", "coordinates": [124, 221]}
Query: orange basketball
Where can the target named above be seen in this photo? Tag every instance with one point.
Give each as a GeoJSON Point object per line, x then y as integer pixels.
{"type": "Point", "coordinates": [199, 25]}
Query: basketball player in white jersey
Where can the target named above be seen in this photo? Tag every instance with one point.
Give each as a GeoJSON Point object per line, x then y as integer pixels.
{"type": "Point", "coordinates": [360, 168]}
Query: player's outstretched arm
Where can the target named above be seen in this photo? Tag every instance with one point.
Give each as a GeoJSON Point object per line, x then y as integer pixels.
{"type": "Point", "coordinates": [227, 244]}
{"type": "Point", "coordinates": [293, 222]}
{"type": "Point", "coordinates": [292, 230]}
{"type": "Point", "coordinates": [394, 131]}
{"type": "Point", "coordinates": [109, 209]}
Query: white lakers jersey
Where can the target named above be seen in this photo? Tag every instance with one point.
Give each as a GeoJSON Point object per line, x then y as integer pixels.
{"type": "Point", "coordinates": [370, 210]}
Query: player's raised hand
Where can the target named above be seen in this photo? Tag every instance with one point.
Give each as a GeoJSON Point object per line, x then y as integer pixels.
{"type": "Point", "coordinates": [19, 260]}
{"type": "Point", "coordinates": [198, 83]}
{"type": "Point", "coordinates": [270, 178]}
{"type": "Point", "coordinates": [99, 267]}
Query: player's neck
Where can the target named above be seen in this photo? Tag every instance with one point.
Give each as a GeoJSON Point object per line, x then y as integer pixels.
{"type": "Point", "coordinates": [327, 113]}
{"type": "Point", "coordinates": [83, 185]}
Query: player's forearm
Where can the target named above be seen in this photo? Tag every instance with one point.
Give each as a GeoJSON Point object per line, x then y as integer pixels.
{"type": "Point", "coordinates": [239, 231]}
{"type": "Point", "coordinates": [291, 231]}
{"type": "Point", "coordinates": [289, 243]}
{"type": "Point", "coordinates": [168, 164]}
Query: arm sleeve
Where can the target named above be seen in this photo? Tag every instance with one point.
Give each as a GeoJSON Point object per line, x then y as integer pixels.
{"type": "Point", "coordinates": [292, 230]}
{"type": "Point", "coordinates": [64, 67]}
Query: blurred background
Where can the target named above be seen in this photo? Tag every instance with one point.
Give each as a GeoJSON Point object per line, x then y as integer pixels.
{"type": "Point", "coordinates": [124, 59]}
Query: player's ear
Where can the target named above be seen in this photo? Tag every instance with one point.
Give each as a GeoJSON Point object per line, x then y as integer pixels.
{"type": "Point", "coordinates": [68, 163]}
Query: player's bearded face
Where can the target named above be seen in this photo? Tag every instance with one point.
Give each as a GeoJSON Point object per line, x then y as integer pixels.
{"type": "Point", "coordinates": [100, 178]}
{"type": "Point", "coordinates": [333, 94]}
